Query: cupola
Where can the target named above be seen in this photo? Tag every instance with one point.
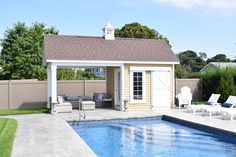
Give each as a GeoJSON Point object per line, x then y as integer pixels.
{"type": "Point", "coordinates": [108, 32]}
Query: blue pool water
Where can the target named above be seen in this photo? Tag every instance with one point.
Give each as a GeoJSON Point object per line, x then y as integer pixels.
{"type": "Point", "coordinates": [152, 138]}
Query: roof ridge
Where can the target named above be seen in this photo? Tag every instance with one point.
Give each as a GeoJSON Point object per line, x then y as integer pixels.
{"type": "Point", "coordinates": [100, 37]}
{"type": "Point", "coordinates": [79, 36]}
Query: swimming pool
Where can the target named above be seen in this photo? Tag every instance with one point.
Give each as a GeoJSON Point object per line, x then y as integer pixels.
{"type": "Point", "coordinates": [152, 138]}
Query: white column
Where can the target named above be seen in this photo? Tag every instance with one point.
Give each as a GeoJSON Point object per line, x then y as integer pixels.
{"type": "Point", "coordinates": [122, 87]}
{"type": "Point", "coordinates": [49, 85]}
{"type": "Point", "coordinates": [54, 83]}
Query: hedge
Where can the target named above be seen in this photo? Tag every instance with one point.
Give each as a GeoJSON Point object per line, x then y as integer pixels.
{"type": "Point", "coordinates": [222, 81]}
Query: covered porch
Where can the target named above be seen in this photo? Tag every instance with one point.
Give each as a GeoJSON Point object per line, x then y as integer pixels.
{"type": "Point", "coordinates": [114, 80]}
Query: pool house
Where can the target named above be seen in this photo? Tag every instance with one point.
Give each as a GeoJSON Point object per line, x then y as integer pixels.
{"type": "Point", "coordinates": [138, 71]}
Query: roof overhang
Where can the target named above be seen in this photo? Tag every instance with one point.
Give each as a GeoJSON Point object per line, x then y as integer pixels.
{"type": "Point", "coordinates": [96, 63]}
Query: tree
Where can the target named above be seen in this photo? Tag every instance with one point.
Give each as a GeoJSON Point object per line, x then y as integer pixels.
{"type": "Point", "coordinates": [75, 74]}
{"type": "Point", "coordinates": [190, 61]}
{"type": "Point", "coordinates": [66, 74]}
{"type": "Point", "coordinates": [202, 55]}
{"type": "Point", "coordinates": [180, 72]}
{"type": "Point", "coordinates": [21, 54]}
{"type": "Point", "coordinates": [219, 58]}
{"type": "Point", "coordinates": [136, 30]}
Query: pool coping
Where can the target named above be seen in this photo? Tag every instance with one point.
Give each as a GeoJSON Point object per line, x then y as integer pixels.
{"type": "Point", "coordinates": [200, 127]}
{"type": "Point", "coordinates": [172, 119]}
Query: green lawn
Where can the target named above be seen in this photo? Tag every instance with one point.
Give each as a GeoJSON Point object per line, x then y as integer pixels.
{"type": "Point", "coordinates": [198, 102]}
{"type": "Point", "coordinates": [7, 134]}
{"type": "Point", "coordinates": [5, 112]}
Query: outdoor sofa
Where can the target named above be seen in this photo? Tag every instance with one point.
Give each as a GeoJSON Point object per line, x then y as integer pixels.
{"type": "Point", "coordinates": [99, 100]}
{"type": "Point", "coordinates": [102, 100]}
{"type": "Point", "coordinates": [86, 103]}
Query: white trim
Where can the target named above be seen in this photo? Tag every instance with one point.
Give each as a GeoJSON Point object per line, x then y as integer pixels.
{"type": "Point", "coordinates": [122, 86]}
{"type": "Point", "coordinates": [116, 70]}
{"type": "Point", "coordinates": [101, 62]}
{"type": "Point", "coordinates": [136, 69]}
{"type": "Point", "coordinates": [132, 101]}
{"type": "Point", "coordinates": [152, 107]}
{"type": "Point", "coordinates": [84, 64]}
{"type": "Point", "coordinates": [173, 88]}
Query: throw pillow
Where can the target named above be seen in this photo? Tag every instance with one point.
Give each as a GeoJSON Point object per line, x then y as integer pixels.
{"type": "Point", "coordinates": [100, 96]}
{"type": "Point", "coordinates": [60, 99]}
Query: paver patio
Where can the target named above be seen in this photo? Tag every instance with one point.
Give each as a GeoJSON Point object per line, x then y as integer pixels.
{"type": "Point", "coordinates": [45, 135]}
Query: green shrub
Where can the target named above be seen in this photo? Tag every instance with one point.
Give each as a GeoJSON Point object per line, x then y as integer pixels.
{"type": "Point", "coordinates": [220, 81]}
{"type": "Point", "coordinates": [226, 86]}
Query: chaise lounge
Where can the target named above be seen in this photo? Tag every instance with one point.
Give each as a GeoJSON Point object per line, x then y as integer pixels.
{"type": "Point", "coordinates": [212, 101]}
{"type": "Point", "coordinates": [229, 114]}
{"type": "Point", "coordinates": [224, 108]}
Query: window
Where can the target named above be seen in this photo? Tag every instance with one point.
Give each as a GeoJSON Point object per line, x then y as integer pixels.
{"type": "Point", "coordinates": [137, 87]}
{"type": "Point", "coordinates": [109, 31]}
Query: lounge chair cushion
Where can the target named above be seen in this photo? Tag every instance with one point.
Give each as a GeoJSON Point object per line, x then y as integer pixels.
{"type": "Point", "coordinates": [208, 103]}
{"type": "Point", "coordinates": [227, 105]}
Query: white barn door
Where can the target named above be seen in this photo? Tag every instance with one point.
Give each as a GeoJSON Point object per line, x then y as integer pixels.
{"type": "Point", "coordinates": [161, 88]}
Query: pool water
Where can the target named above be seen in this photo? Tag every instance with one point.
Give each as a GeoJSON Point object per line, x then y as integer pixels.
{"type": "Point", "coordinates": [152, 138]}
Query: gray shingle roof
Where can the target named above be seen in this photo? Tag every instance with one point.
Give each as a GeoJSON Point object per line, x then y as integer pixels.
{"type": "Point", "coordinates": [60, 47]}
{"type": "Point", "coordinates": [221, 65]}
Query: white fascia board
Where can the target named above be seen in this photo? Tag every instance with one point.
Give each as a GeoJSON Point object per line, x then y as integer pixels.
{"type": "Point", "coordinates": [134, 68]}
{"type": "Point", "coordinates": [105, 63]}
{"type": "Point", "coordinates": [84, 64]}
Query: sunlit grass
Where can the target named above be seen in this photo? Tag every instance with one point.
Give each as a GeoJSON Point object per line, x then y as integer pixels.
{"type": "Point", "coordinates": [7, 134]}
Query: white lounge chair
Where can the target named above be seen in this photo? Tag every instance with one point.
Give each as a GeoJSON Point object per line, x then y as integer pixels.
{"type": "Point", "coordinates": [225, 107]}
{"type": "Point", "coordinates": [212, 101]}
{"type": "Point", "coordinates": [184, 97]}
{"type": "Point", "coordinates": [230, 114]}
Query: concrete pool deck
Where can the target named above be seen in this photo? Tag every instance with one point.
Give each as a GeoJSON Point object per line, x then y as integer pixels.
{"type": "Point", "coordinates": [45, 135]}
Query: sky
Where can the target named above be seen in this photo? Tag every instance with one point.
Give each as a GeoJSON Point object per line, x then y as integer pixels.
{"type": "Point", "coordinates": [200, 25]}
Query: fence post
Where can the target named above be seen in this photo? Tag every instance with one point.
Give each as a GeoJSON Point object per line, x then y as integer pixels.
{"type": "Point", "coordinates": [84, 87]}
{"type": "Point", "coordinates": [9, 94]}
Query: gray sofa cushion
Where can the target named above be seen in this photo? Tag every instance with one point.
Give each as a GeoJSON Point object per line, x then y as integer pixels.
{"type": "Point", "coordinates": [72, 98]}
{"type": "Point", "coordinates": [85, 98]}
{"type": "Point", "coordinates": [106, 96]}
